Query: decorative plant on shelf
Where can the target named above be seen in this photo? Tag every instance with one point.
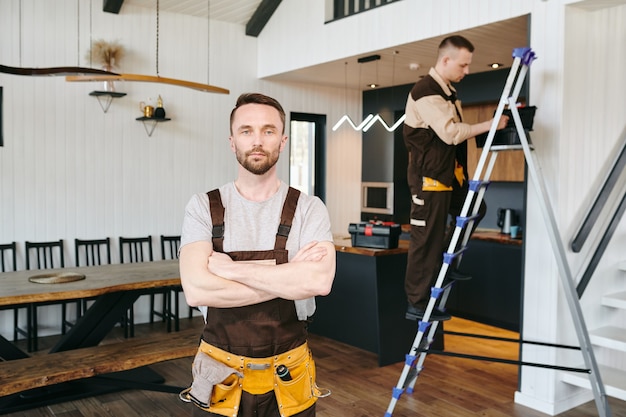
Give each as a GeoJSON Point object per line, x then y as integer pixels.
{"type": "Point", "coordinates": [108, 55]}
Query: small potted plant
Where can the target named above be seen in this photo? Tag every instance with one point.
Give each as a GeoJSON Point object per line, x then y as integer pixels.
{"type": "Point", "coordinates": [108, 55]}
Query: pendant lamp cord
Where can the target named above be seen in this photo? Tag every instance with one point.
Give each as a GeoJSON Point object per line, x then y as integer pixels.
{"type": "Point", "coordinates": [208, 41]}
{"type": "Point", "coordinates": [78, 33]}
{"type": "Point", "coordinates": [90, 34]}
{"type": "Point", "coordinates": [345, 90]}
{"type": "Point", "coordinates": [20, 50]}
{"type": "Point", "coordinates": [157, 38]}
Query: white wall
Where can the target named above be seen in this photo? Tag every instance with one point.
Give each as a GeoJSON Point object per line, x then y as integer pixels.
{"type": "Point", "coordinates": [68, 170]}
{"type": "Point", "coordinates": [576, 85]}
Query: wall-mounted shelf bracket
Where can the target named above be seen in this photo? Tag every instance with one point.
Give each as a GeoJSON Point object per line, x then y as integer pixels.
{"type": "Point", "coordinates": [106, 97]}
{"type": "Point", "coordinates": [150, 123]}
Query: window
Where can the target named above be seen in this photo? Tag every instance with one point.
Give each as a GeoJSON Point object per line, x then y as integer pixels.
{"type": "Point", "coordinates": [307, 154]}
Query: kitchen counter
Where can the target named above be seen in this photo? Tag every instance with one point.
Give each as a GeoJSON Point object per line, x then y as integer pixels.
{"type": "Point", "coordinates": [490, 235]}
{"type": "Point", "coordinates": [344, 243]}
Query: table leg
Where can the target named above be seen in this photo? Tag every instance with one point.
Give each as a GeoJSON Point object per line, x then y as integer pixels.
{"type": "Point", "coordinates": [97, 321]}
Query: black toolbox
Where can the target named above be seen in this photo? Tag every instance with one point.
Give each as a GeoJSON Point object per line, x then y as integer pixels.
{"type": "Point", "coordinates": [373, 235]}
{"type": "Point", "coordinates": [508, 135]}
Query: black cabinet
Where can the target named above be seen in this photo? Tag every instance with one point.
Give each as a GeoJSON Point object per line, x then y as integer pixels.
{"type": "Point", "coordinates": [366, 307]}
{"type": "Point", "coordinates": [493, 295]}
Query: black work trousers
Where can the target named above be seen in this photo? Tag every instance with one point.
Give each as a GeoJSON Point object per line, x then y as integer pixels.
{"type": "Point", "coordinates": [430, 236]}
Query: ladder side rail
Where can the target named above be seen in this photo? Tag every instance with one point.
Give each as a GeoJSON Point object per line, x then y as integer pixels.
{"type": "Point", "coordinates": [479, 198]}
{"type": "Point", "coordinates": [518, 87]}
{"type": "Point", "coordinates": [492, 130]}
{"type": "Point", "coordinates": [422, 356]}
{"type": "Point", "coordinates": [593, 212]}
{"type": "Point", "coordinates": [409, 363]}
{"type": "Point", "coordinates": [565, 272]}
{"type": "Point", "coordinates": [514, 83]}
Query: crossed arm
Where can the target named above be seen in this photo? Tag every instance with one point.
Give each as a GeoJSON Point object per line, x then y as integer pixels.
{"type": "Point", "coordinates": [212, 279]}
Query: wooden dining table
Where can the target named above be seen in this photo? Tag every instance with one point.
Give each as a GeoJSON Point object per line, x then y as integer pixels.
{"type": "Point", "coordinates": [115, 287]}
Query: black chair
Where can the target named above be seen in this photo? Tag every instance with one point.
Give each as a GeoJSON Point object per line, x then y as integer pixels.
{"type": "Point", "coordinates": [169, 250]}
{"type": "Point", "coordinates": [137, 249]}
{"type": "Point", "coordinates": [43, 255]}
{"type": "Point", "coordinates": [8, 262]}
{"type": "Point", "coordinates": [91, 252]}
{"type": "Point", "coordinates": [8, 256]}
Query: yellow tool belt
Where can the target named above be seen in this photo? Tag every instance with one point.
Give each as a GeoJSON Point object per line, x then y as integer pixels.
{"type": "Point", "coordinates": [430, 184]}
{"type": "Point", "coordinates": [259, 377]}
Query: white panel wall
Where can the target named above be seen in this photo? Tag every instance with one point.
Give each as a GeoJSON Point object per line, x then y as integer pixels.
{"type": "Point", "coordinates": [578, 90]}
{"type": "Point", "coordinates": [68, 170]}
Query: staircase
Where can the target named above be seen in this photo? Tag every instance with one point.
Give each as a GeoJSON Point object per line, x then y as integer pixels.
{"type": "Point", "coordinates": [609, 337]}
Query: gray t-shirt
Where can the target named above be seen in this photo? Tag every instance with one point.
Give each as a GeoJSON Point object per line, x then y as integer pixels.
{"type": "Point", "coordinates": [251, 225]}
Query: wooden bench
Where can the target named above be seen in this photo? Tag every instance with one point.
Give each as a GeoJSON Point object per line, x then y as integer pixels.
{"type": "Point", "coordinates": [53, 368]}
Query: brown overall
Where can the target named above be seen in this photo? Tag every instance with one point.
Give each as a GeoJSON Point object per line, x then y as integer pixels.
{"type": "Point", "coordinates": [265, 331]}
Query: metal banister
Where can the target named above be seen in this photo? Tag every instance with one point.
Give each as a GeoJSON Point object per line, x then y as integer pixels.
{"type": "Point", "coordinates": [592, 215]}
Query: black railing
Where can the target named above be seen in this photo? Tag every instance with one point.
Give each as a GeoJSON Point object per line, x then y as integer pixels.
{"type": "Point", "coordinates": [594, 213]}
{"type": "Point", "coordinates": [345, 8]}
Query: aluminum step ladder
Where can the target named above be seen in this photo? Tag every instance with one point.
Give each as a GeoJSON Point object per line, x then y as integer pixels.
{"type": "Point", "coordinates": [414, 361]}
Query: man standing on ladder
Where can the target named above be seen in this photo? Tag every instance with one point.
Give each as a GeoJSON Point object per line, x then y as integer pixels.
{"type": "Point", "coordinates": [435, 137]}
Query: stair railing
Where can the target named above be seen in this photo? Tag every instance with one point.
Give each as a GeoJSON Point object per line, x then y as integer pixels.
{"type": "Point", "coordinates": [592, 215]}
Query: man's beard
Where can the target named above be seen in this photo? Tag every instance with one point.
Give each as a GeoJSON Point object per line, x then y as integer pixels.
{"type": "Point", "coordinates": [257, 167]}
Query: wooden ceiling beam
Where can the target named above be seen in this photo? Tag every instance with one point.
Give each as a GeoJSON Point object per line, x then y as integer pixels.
{"type": "Point", "coordinates": [261, 16]}
{"type": "Point", "coordinates": [112, 6]}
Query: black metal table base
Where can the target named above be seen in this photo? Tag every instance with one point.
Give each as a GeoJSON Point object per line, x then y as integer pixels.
{"type": "Point", "coordinates": [140, 378]}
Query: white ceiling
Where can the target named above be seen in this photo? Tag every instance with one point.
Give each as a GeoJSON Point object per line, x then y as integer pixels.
{"type": "Point", "coordinates": [493, 42]}
{"type": "Point", "coordinates": [233, 11]}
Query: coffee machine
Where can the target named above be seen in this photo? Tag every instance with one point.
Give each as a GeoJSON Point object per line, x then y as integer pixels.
{"type": "Point", "coordinates": [507, 218]}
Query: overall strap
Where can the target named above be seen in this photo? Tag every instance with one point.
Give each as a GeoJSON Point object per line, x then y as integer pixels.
{"type": "Point", "coordinates": [286, 218]}
{"type": "Point", "coordinates": [217, 218]}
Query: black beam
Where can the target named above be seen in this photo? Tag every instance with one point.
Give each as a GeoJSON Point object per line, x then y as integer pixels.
{"type": "Point", "coordinates": [368, 58]}
{"type": "Point", "coordinates": [112, 6]}
{"type": "Point", "coordinates": [261, 16]}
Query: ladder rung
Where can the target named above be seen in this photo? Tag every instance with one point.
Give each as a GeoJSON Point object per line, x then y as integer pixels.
{"type": "Point", "coordinates": [462, 221]}
{"type": "Point", "coordinates": [475, 185]}
{"type": "Point", "coordinates": [449, 257]}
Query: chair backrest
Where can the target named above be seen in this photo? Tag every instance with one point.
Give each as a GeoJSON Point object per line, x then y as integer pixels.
{"type": "Point", "coordinates": [169, 247]}
{"type": "Point", "coordinates": [44, 254]}
{"type": "Point", "coordinates": [8, 251]}
{"type": "Point", "coordinates": [92, 251]}
{"type": "Point", "coordinates": [137, 249]}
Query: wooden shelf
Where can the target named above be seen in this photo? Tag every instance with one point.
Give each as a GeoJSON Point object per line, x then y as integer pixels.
{"type": "Point", "coordinates": [149, 123]}
{"type": "Point", "coordinates": [106, 97]}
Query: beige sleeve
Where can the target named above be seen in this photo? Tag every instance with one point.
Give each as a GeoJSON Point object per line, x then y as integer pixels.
{"type": "Point", "coordinates": [440, 115]}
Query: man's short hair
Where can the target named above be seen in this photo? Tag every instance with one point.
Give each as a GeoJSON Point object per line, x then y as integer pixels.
{"type": "Point", "coordinates": [456, 41]}
{"type": "Point", "coordinates": [257, 98]}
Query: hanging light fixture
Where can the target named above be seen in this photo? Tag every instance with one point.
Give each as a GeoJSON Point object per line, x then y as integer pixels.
{"type": "Point", "coordinates": [345, 117]}
{"type": "Point", "coordinates": [379, 119]}
{"type": "Point", "coordinates": [149, 78]}
{"type": "Point", "coordinates": [371, 119]}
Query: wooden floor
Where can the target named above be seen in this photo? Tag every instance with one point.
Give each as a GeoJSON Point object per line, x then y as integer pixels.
{"type": "Point", "coordinates": [447, 387]}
